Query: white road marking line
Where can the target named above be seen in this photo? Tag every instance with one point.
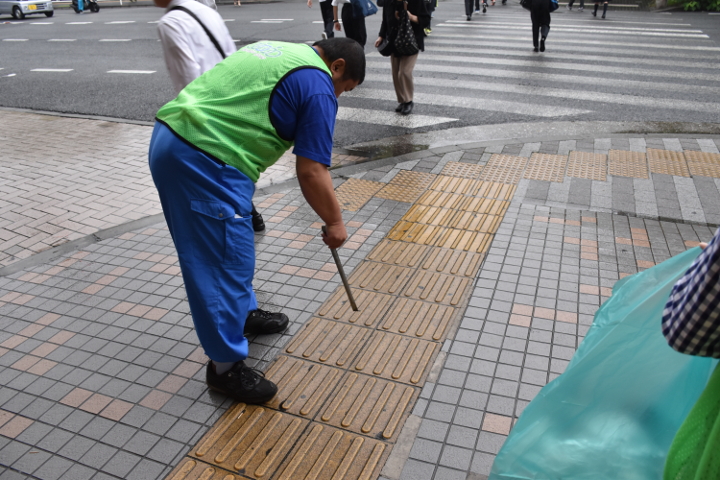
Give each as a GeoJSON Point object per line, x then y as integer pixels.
{"type": "Point", "coordinates": [381, 117]}
{"type": "Point", "coordinates": [319, 21]}
{"type": "Point", "coordinates": [78, 23]}
{"type": "Point", "coordinates": [266, 21]}
{"type": "Point", "coordinates": [522, 108]}
{"type": "Point", "coordinates": [155, 21]}
{"type": "Point", "coordinates": [62, 39]}
{"type": "Point", "coordinates": [51, 70]}
{"type": "Point", "coordinates": [228, 19]}
{"type": "Point", "coordinates": [119, 22]}
{"type": "Point", "coordinates": [562, 93]}
{"type": "Point", "coordinates": [114, 40]}
{"type": "Point", "coordinates": [15, 39]}
{"type": "Point", "coordinates": [596, 27]}
{"type": "Point", "coordinates": [279, 19]}
{"type": "Point", "coordinates": [131, 71]}
{"type": "Point", "coordinates": [574, 41]}
{"type": "Point", "coordinates": [41, 23]}
{"type": "Point", "coordinates": [11, 75]}
{"type": "Point", "coordinates": [583, 31]}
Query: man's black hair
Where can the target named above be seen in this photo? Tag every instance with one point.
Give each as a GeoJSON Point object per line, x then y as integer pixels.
{"type": "Point", "coordinates": [350, 51]}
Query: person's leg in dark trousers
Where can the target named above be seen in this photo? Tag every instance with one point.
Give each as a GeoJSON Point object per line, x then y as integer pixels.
{"type": "Point", "coordinates": [360, 31]}
{"type": "Point", "coordinates": [327, 16]}
{"type": "Point", "coordinates": [604, 9]}
{"type": "Point", "coordinates": [354, 27]}
{"type": "Point", "coordinates": [477, 5]}
{"type": "Point", "coordinates": [535, 30]}
{"type": "Point", "coordinates": [469, 8]}
{"type": "Point", "coordinates": [544, 31]}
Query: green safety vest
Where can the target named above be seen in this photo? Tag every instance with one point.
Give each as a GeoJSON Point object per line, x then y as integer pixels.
{"type": "Point", "coordinates": [225, 112]}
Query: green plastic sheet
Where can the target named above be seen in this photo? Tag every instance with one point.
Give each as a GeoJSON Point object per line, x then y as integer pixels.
{"type": "Point", "coordinates": [614, 412]}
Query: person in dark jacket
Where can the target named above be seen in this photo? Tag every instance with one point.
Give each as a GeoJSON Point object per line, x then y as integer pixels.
{"type": "Point", "coordinates": [402, 66]}
{"type": "Point", "coordinates": [540, 17]}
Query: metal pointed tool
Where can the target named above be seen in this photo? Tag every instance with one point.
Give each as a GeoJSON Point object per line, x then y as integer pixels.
{"type": "Point", "coordinates": [341, 271]}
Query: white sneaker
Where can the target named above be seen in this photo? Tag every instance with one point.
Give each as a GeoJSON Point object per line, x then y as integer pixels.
{"type": "Point", "coordinates": [324, 35]}
{"type": "Point", "coordinates": [580, 9]}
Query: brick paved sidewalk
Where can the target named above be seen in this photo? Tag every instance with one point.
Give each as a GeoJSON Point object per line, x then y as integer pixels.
{"type": "Point", "coordinates": [480, 268]}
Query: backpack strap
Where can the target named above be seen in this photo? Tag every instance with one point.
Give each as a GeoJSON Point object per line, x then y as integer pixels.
{"type": "Point", "coordinates": [209, 34]}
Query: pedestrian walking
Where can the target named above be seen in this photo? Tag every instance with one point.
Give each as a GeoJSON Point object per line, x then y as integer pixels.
{"type": "Point", "coordinates": [484, 4]}
{"type": "Point", "coordinates": [540, 17]}
{"type": "Point", "coordinates": [208, 148]}
{"type": "Point", "coordinates": [403, 65]}
{"type": "Point", "coordinates": [354, 25]}
{"type": "Point", "coordinates": [194, 39]}
{"type": "Point", "coordinates": [469, 7]}
{"type": "Point", "coordinates": [597, 4]}
{"type": "Point", "coordinates": [580, 8]}
{"type": "Point", "coordinates": [431, 6]}
{"type": "Point", "coordinates": [326, 11]}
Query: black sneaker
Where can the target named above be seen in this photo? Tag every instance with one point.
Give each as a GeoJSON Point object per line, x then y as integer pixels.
{"type": "Point", "coordinates": [258, 223]}
{"type": "Point", "coordinates": [542, 44]}
{"type": "Point", "coordinates": [264, 322]}
{"type": "Point", "coordinates": [485, 5]}
{"type": "Point", "coordinates": [241, 383]}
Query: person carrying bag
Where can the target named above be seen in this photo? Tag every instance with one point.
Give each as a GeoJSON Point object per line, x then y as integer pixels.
{"type": "Point", "coordinates": [402, 38]}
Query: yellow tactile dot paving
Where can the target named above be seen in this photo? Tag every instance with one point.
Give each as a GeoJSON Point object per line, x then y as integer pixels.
{"type": "Point", "coordinates": [303, 386]}
{"type": "Point", "coordinates": [460, 169]}
{"type": "Point", "coordinates": [396, 357]}
{"type": "Point", "coordinates": [398, 253]}
{"type": "Point", "coordinates": [250, 440]}
{"type": "Point", "coordinates": [542, 166]}
{"type": "Point", "coordinates": [667, 162]}
{"type": "Point", "coordinates": [355, 193]}
{"type": "Point", "coordinates": [328, 342]}
{"type": "Point", "coordinates": [191, 469]}
{"type": "Point", "coordinates": [437, 287]}
{"type": "Point", "coordinates": [501, 175]}
{"type": "Point", "coordinates": [326, 453]}
{"type": "Point", "coordinates": [588, 165]}
{"type": "Point", "coordinates": [406, 186]}
{"type": "Point", "coordinates": [368, 406]}
{"type": "Point", "coordinates": [702, 157]}
{"type": "Point", "coordinates": [704, 169]}
{"type": "Point", "coordinates": [453, 184]}
{"type": "Point", "coordinates": [453, 262]}
{"type": "Point", "coordinates": [372, 306]}
{"type": "Point", "coordinates": [624, 163]}
{"type": "Point", "coordinates": [507, 161]}
{"type": "Point", "coordinates": [418, 319]}
{"type": "Point", "coordinates": [380, 277]}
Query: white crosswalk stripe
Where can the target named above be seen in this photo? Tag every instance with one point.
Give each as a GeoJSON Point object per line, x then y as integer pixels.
{"type": "Point", "coordinates": [487, 65]}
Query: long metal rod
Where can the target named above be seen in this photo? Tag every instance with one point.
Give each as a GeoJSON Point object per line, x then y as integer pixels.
{"type": "Point", "coordinates": [341, 271]}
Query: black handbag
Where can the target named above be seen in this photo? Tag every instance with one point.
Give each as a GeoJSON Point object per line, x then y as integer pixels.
{"type": "Point", "coordinates": [405, 43]}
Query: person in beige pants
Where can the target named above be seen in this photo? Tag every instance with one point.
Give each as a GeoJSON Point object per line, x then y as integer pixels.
{"type": "Point", "coordinates": [402, 66]}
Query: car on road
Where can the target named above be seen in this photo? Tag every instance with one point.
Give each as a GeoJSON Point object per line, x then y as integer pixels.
{"type": "Point", "coordinates": [20, 8]}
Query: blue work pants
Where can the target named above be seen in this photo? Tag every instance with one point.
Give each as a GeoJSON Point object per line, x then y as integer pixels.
{"type": "Point", "coordinates": [207, 207]}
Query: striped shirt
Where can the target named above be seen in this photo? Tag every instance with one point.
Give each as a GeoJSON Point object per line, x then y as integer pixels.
{"type": "Point", "coordinates": [691, 319]}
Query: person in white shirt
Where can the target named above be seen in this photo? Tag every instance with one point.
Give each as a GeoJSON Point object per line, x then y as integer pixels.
{"type": "Point", "coordinates": [194, 39]}
{"type": "Point", "coordinates": [354, 25]}
{"type": "Point", "coordinates": [326, 11]}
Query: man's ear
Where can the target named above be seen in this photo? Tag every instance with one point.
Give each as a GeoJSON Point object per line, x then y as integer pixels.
{"type": "Point", "coordinates": [337, 68]}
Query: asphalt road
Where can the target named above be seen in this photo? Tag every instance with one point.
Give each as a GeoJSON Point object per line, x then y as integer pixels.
{"type": "Point", "coordinates": [633, 66]}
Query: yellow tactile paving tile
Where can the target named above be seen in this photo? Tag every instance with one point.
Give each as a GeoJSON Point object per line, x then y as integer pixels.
{"type": "Point", "coordinates": [416, 232]}
{"type": "Point", "coordinates": [355, 193]}
{"type": "Point", "coordinates": [380, 277]}
{"type": "Point", "coordinates": [624, 163]}
{"type": "Point", "coordinates": [453, 262]}
{"type": "Point", "coordinates": [476, 222]}
{"type": "Point", "coordinates": [463, 170]}
{"type": "Point", "coordinates": [406, 186]}
{"type": "Point", "coordinates": [445, 183]}
{"type": "Point", "coordinates": [328, 342]}
{"type": "Point", "coordinates": [303, 387]}
{"type": "Point", "coordinates": [396, 357]}
{"type": "Point", "coordinates": [499, 191]}
{"type": "Point", "coordinates": [437, 287]}
{"type": "Point", "coordinates": [250, 440]}
{"type": "Point", "coordinates": [507, 175]}
{"type": "Point", "coordinates": [326, 453]}
{"type": "Point", "coordinates": [485, 205]}
{"type": "Point", "coordinates": [371, 305]}
{"type": "Point", "coordinates": [419, 319]}
{"type": "Point", "coordinates": [398, 253]}
{"type": "Point", "coordinates": [667, 162]}
{"type": "Point", "coordinates": [435, 198]}
{"type": "Point", "coordinates": [465, 240]}
{"type": "Point", "coordinates": [507, 161]}
{"type": "Point", "coordinates": [702, 157]}
{"type": "Point", "coordinates": [429, 215]}
{"type": "Point", "coordinates": [592, 166]}
{"type": "Point", "coordinates": [192, 469]}
{"type": "Point", "coordinates": [704, 169]}
{"type": "Point", "coordinates": [550, 168]}
{"type": "Point", "coordinates": [369, 406]}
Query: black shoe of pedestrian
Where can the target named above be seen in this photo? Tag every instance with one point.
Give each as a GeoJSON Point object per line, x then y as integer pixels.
{"type": "Point", "coordinates": [264, 323]}
{"type": "Point", "coordinates": [535, 49]}
{"type": "Point", "coordinates": [399, 108]}
{"type": "Point", "coordinates": [603, 15]}
{"type": "Point", "coordinates": [484, 7]}
{"type": "Point", "coordinates": [241, 383]}
{"type": "Point", "coordinates": [504, 2]}
{"type": "Point", "coordinates": [542, 44]}
{"type": "Point", "coordinates": [407, 108]}
{"type": "Point", "coordinates": [258, 223]}
{"type": "Point", "coordinates": [469, 17]}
